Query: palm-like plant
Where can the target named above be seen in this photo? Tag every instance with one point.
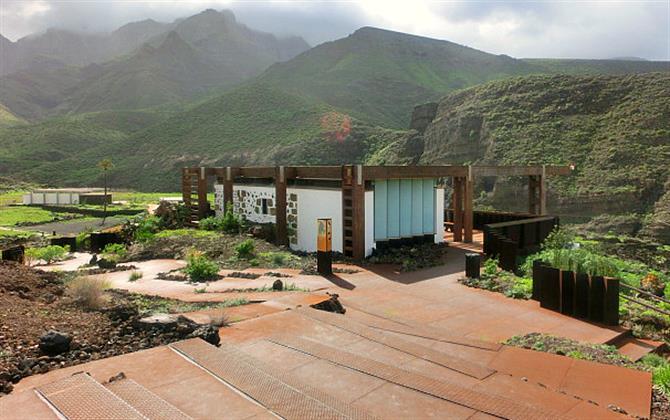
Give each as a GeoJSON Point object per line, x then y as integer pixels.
{"type": "Point", "coordinates": [105, 165]}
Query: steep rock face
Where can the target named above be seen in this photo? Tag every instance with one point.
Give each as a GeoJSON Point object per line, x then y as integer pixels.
{"type": "Point", "coordinates": [658, 228]}
{"type": "Point", "coordinates": [616, 129]}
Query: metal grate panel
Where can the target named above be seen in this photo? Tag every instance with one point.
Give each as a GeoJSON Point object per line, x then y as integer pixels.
{"type": "Point", "coordinates": [379, 321]}
{"type": "Point", "coordinates": [478, 400]}
{"type": "Point", "coordinates": [449, 361]}
{"type": "Point", "coordinates": [81, 397]}
{"type": "Point", "coordinates": [145, 401]}
{"type": "Point", "coordinates": [277, 391]}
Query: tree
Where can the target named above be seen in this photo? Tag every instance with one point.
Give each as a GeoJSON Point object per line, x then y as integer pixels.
{"type": "Point", "coordinates": [105, 165]}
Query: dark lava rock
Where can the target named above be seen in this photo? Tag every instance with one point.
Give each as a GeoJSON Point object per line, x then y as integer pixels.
{"type": "Point", "coordinates": [104, 263]}
{"type": "Point", "coordinates": [209, 333]}
{"type": "Point", "coordinates": [54, 342]}
{"type": "Point", "coordinates": [331, 305]}
{"type": "Point", "coordinates": [278, 285]}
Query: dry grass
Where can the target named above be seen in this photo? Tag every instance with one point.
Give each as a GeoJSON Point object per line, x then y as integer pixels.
{"type": "Point", "coordinates": [219, 320]}
{"type": "Point", "coordinates": [89, 292]}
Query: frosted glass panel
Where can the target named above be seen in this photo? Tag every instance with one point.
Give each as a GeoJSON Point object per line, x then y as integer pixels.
{"type": "Point", "coordinates": [381, 209]}
{"type": "Point", "coordinates": [404, 208]}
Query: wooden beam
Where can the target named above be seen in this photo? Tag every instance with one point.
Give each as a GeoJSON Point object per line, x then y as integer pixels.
{"type": "Point", "coordinates": [280, 205]}
{"type": "Point", "coordinates": [520, 170]}
{"type": "Point", "coordinates": [203, 204]}
{"type": "Point", "coordinates": [358, 212]}
{"type": "Point", "coordinates": [318, 172]}
{"type": "Point", "coordinates": [228, 180]}
{"type": "Point", "coordinates": [393, 172]}
{"type": "Point", "coordinates": [257, 172]}
{"type": "Point", "coordinates": [468, 207]}
{"type": "Point", "coordinates": [457, 202]}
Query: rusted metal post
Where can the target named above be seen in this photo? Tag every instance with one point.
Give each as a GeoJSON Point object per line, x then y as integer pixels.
{"type": "Point", "coordinates": [533, 208]}
{"type": "Point", "coordinates": [468, 206]}
{"type": "Point", "coordinates": [358, 213]}
{"type": "Point", "coordinates": [457, 201]}
{"type": "Point", "coordinates": [186, 187]}
{"type": "Point", "coordinates": [280, 205]}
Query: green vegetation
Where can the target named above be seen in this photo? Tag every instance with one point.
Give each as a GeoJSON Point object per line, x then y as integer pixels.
{"type": "Point", "coordinates": [245, 249]}
{"type": "Point", "coordinates": [114, 252]}
{"type": "Point", "coordinates": [135, 275]}
{"type": "Point", "coordinates": [148, 305]}
{"type": "Point", "coordinates": [48, 254]}
{"type": "Point", "coordinates": [199, 268]}
{"type": "Point", "coordinates": [496, 280]}
{"type": "Point", "coordinates": [20, 215]}
{"type": "Point", "coordinates": [228, 223]}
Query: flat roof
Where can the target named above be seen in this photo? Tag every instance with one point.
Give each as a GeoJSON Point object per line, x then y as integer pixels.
{"type": "Point", "coordinates": [71, 190]}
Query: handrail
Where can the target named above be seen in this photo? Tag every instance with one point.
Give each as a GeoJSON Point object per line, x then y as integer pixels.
{"type": "Point", "coordinates": [520, 222]}
{"type": "Point", "coordinates": [646, 305]}
{"type": "Point", "coordinates": [644, 292]}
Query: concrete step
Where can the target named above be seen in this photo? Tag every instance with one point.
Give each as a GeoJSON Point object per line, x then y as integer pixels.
{"type": "Point", "coordinates": [80, 397]}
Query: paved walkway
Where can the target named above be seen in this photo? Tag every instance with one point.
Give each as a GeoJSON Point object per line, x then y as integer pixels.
{"type": "Point", "coordinates": [416, 345]}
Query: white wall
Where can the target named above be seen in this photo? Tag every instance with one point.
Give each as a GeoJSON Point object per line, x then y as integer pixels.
{"type": "Point", "coordinates": [218, 200]}
{"type": "Point", "coordinates": [439, 215]}
{"type": "Point", "coordinates": [317, 204]}
{"type": "Point", "coordinates": [369, 222]}
{"type": "Point", "coordinates": [252, 193]}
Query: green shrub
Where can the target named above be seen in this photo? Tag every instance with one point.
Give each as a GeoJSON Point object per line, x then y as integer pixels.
{"type": "Point", "coordinates": [135, 275]}
{"type": "Point", "coordinates": [490, 267]}
{"type": "Point", "coordinates": [661, 378]}
{"type": "Point", "coordinates": [145, 228]}
{"type": "Point", "coordinates": [114, 252]}
{"type": "Point", "coordinates": [83, 240]}
{"type": "Point", "coordinates": [200, 268]}
{"type": "Point", "coordinates": [211, 223]}
{"type": "Point", "coordinates": [654, 360]}
{"type": "Point", "coordinates": [47, 254]}
{"type": "Point", "coordinates": [245, 249]}
{"type": "Point", "coordinates": [559, 238]}
{"type": "Point", "coordinates": [231, 223]}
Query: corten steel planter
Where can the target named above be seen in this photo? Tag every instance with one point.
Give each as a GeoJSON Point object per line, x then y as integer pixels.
{"type": "Point", "coordinates": [567, 292]}
{"type": "Point", "coordinates": [576, 294]}
{"type": "Point", "coordinates": [611, 309]}
{"type": "Point", "coordinates": [15, 253]}
{"type": "Point", "coordinates": [101, 239]}
{"type": "Point", "coordinates": [551, 288]}
{"type": "Point", "coordinates": [582, 291]}
{"type": "Point", "coordinates": [69, 241]}
{"type": "Point", "coordinates": [597, 299]}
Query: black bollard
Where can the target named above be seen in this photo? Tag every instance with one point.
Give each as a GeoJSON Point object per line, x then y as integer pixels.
{"type": "Point", "coordinates": [472, 263]}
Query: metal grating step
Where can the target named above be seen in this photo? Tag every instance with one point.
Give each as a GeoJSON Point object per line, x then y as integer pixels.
{"type": "Point", "coordinates": [478, 400]}
{"type": "Point", "coordinates": [81, 397]}
{"type": "Point", "coordinates": [144, 401]}
{"type": "Point", "coordinates": [417, 350]}
{"type": "Point", "coordinates": [277, 391]}
{"type": "Point", "coordinates": [379, 321]}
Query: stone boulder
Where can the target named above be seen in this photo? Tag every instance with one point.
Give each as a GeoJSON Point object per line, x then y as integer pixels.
{"type": "Point", "coordinates": [53, 343]}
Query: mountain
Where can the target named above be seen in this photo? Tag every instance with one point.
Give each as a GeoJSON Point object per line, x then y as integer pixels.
{"type": "Point", "coordinates": [594, 67]}
{"type": "Point", "coordinates": [7, 118]}
{"type": "Point", "coordinates": [140, 64]}
{"type": "Point", "coordinates": [615, 129]}
{"type": "Point", "coordinates": [379, 75]}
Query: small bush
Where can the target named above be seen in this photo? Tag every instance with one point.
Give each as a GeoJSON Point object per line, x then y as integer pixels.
{"type": "Point", "coordinates": [219, 320]}
{"type": "Point", "coordinates": [88, 292]}
{"type": "Point", "coordinates": [114, 252]}
{"type": "Point", "coordinates": [211, 223]}
{"type": "Point", "coordinates": [654, 360]}
{"type": "Point", "coordinates": [661, 378]}
{"type": "Point", "coordinates": [231, 222]}
{"type": "Point", "coordinates": [143, 228]}
{"type": "Point", "coordinates": [559, 238]}
{"type": "Point", "coordinates": [245, 249]}
{"type": "Point", "coordinates": [47, 254]}
{"type": "Point", "coordinates": [199, 268]}
{"type": "Point", "coordinates": [135, 275]}
{"type": "Point", "coordinates": [83, 240]}
{"type": "Point", "coordinates": [200, 290]}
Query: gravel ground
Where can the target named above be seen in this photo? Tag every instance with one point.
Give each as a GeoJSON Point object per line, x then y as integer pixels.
{"type": "Point", "coordinates": [73, 227]}
{"type": "Point", "coordinates": [33, 302]}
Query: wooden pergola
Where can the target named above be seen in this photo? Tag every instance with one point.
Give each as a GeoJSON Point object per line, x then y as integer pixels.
{"type": "Point", "coordinates": [353, 179]}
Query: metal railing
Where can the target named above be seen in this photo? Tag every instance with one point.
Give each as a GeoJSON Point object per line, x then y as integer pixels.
{"type": "Point", "coordinates": [646, 294]}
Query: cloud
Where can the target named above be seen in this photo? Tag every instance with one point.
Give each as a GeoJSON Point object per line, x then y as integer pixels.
{"type": "Point", "coordinates": [521, 28]}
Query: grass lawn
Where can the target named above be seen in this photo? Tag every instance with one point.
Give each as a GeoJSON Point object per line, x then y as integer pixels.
{"type": "Point", "coordinates": [12, 233]}
{"type": "Point", "coordinates": [11, 216]}
{"type": "Point", "coordinates": [11, 197]}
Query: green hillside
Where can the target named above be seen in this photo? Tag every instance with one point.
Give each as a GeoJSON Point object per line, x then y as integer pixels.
{"type": "Point", "coordinates": [379, 75]}
{"type": "Point", "coordinates": [7, 118]}
{"type": "Point", "coordinates": [596, 67]}
{"type": "Point", "coordinates": [616, 129]}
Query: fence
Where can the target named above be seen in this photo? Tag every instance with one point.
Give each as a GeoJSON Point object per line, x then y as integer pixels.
{"type": "Point", "coordinates": [595, 298]}
{"type": "Point", "coordinates": [511, 239]}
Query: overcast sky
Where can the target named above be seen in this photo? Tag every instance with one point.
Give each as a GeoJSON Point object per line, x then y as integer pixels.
{"type": "Point", "coordinates": [578, 29]}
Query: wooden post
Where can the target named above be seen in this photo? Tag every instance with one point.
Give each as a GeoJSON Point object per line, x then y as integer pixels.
{"type": "Point", "coordinates": [468, 207]}
{"type": "Point", "coordinates": [186, 187]}
{"type": "Point", "coordinates": [280, 206]}
{"type": "Point", "coordinates": [228, 189]}
{"type": "Point", "coordinates": [358, 213]}
{"type": "Point", "coordinates": [203, 206]}
{"type": "Point", "coordinates": [542, 183]}
{"type": "Point", "coordinates": [457, 201]}
{"type": "Point", "coordinates": [533, 207]}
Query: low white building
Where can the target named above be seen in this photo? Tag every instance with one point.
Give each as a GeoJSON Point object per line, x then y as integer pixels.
{"type": "Point", "coordinates": [66, 196]}
{"type": "Point", "coordinates": [396, 211]}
